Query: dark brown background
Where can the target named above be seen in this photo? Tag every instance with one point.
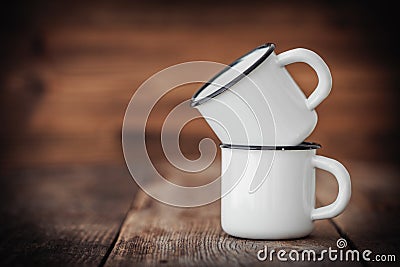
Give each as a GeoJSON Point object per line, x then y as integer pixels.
{"type": "Point", "coordinates": [69, 69]}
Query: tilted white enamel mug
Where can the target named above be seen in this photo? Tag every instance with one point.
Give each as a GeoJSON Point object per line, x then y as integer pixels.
{"type": "Point", "coordinates": [255, 101]}
{"type": "Point", "coordinates": [283, 206]}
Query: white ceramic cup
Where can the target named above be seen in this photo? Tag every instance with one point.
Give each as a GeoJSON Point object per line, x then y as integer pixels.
{"type": "Point", "coordinates": [283, 206]}
{"type": "Point", "coordinates": [255, 101]}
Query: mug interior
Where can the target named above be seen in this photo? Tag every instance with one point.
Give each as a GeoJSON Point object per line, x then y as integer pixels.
{"type": "Point", "coordinates": [232, 74]}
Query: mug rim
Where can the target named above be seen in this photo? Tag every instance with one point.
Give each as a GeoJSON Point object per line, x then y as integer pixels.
{"type": "Point", "coordinates": [271, 48]}
{"type": "Point", "coordinates": [302, 146]}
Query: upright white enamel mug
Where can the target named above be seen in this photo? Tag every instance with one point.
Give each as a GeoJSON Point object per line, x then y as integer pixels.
{"type": "Point", "coordinates": [282, 206]}
{"type": "Point", "coordinates": [255, 101]}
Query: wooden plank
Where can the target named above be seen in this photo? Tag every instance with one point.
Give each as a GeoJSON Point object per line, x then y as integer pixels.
{"type": "Point", "coordinates": [157, 234]}
{"type": "Point", "coordinates": [61, 215]}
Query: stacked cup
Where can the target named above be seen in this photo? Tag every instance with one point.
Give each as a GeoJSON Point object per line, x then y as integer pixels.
{"type": "Point", "coordinates": [268, 171]}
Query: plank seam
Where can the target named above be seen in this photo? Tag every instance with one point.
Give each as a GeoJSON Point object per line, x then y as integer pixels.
{"type": "Point", "coordinates": [116, 237]}
{"type": "Point", "coordinates": [349, 241]}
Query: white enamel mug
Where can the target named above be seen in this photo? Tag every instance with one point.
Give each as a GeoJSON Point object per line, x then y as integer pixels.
{"type": "Point", "coordinates": [283, 206]}
{"type": "Point", "coordinates": [255, 101]}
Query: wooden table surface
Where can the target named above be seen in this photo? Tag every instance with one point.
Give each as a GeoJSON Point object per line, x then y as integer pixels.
{"type": "Point", "coordinates": [66, 197]}
{"type": "Point", "coordinates": [95, 215]}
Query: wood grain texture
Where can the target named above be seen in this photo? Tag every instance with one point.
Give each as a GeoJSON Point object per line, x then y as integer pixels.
{"type": "Point", "coordinates": [157, 234]}
{"type": "Point", "coordinates": [61, 216]}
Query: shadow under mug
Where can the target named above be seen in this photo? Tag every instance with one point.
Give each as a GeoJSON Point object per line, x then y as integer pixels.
{"type": "Point", "coordinates": [283, 206]}
{"type": "Point", "coordinates": [255, 100]}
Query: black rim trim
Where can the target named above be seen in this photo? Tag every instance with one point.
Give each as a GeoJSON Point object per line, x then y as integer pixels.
{"type": "Point", "coordinates": [271, 48]}
{"type": "Point", "coordinates": [302, 146]}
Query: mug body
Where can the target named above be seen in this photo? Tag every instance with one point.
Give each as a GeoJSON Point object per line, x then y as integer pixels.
{"type": "Point", "coordinates": [281, 207]}
{"type": "Point", "coordinates": [290, 117]}
{"type": "Point", "coordinates": [258, 104]}
{"type": "Point", "coordinates": [233, 116]}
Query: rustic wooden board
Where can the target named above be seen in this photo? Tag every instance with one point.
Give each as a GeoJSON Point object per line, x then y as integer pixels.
{"type": "Point", "coordinates": [157, 234]}
{"type": "Point", "coordinates": [62, 216]}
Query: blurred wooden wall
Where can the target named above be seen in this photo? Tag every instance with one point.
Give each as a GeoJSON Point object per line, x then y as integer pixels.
{"type": "Point", "coordinates": [70, 69]}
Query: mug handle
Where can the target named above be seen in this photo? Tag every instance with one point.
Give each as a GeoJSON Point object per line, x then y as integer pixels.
{"type": "Point", "coordinates": [343, 178]}
{"type": "Point", "coordinates": [317, 63]}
